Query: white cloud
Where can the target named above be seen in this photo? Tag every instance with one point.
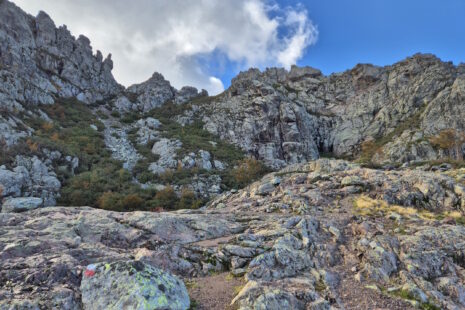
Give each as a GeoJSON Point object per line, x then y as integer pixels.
{"type": "Point", "coordinates": [217, 85]}
{"type": "Point", "coordinates": [171, 36]}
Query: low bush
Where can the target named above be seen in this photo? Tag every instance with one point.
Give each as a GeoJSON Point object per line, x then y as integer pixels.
{"type": "Point", "coordinates": [130, 117]}
{"type": "Point", "coordinates": [115, 114]}
{"type": "Point", "coordinates": [245, 172]}
{"type": "Point", "coordinates": [188, 200]}
{"type": "Point", "coordinates": [166, 199]}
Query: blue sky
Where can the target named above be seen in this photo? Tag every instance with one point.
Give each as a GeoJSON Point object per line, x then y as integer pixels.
{"type": "Point", "coordinates": [205, 43]}
{"type": "Point", "coordinates": [380, 32]}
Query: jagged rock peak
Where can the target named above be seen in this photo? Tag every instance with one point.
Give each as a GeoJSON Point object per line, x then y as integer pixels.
{"type": "Point", "coordinates": [153, 93]}
{"type": "Point", "coordinates": [48, 61]}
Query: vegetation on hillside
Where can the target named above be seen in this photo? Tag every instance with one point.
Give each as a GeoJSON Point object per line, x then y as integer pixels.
{"type": "Point", "coordinates": [100, 181]}
{"type": "Point", "coordinates": [194, 138]}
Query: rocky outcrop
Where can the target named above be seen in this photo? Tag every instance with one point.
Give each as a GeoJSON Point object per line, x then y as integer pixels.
{"type": "Point", "coordinates": [117, 141]}
{"type": "Point", "coordinates": [408, 112]}
{"type": "Point", "coordinates": [153, 93]}
{"type": "Point", "coordinates": [311, 236]}
{"type": "Point", "coordinates": [287, 117]}
{"type": "Point", "coordinates": [39, 61]}
{"type": "Point", "coordinates": [30, 177]}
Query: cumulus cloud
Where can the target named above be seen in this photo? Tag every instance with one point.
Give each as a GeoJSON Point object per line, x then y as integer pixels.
{"type": "Point", "coordinates": [185, 40]}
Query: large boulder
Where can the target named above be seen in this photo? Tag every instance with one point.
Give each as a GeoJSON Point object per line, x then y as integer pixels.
{"type": "Point", "coordinates": [21, 204]}
{"type": "Point", "coordinates": [131, 285]}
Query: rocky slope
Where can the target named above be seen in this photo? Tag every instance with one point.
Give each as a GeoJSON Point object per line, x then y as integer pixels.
{"type": "Point", "coordinates": [311, 236]}
{"type": "Point", "coordinates": [59, 117]}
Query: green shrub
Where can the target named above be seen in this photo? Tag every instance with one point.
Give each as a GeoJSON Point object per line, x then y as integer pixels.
{"type": "Point", "coordinates": [188, 200]}
{"type": "Point", "coordinates": [102, 115]}
{"type": "Point", "coordinates": [132, 202]}
{"type": "Point", "coordinates": [115, 114]}
{"type": "Point", "coordinates": [109, 201]}
{"type": "Point", "coordinates": [166, 198]}
{"type": "Point", "coordinates": [130, 117]}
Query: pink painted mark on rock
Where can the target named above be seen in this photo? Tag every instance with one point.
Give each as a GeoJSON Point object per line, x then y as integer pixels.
{"type": "Point", "coordinates": [90, 271]}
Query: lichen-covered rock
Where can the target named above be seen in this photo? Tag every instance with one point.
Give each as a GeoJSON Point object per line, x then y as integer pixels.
{"type": "Point", "coordinates": [131, 284]}
{"type": "Point", "coordinates": [311, 243]}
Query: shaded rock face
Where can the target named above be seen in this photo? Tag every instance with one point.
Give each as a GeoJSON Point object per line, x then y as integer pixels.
{"type": "Point", "coordinates": [288, 117]}
{"type": "Point", "coordinates": [134, 285]}
{"type": "Point", "coordinates": [323, 234]}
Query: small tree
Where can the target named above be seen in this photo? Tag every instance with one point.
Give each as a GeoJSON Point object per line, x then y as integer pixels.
{"type": "Point", "coordinates": [132, 202]}
{"type": "Point", "coordinates": [110, 201]}
{"type": "Point", "coordinates": [188, 200]}
{"type": "Point", "coordinates": [450, 140]}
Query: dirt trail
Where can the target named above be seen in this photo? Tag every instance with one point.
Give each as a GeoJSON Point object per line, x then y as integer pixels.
{"type": "Point", "coordinates": [213, 292]}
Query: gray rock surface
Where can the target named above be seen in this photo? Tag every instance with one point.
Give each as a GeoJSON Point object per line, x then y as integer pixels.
{"type": "Point", "coordinates": [166, 149]}
{"type": "Point", "coordinates": [152, 93]}
{"type": "Point", "coordinates": [30, 177]}
{"type": "Point", "coordinates": [131, 284]}
{"type": "Point", "coordinates": [287, 117]}
{"type": "Point", "coordinates": [117, 141]}
{"type": "Point", "coordinates": [310, 243]}
{"type": "Point", "coordinates": [21, 204]}
{"type": "Point", "coordinates": [39, 60]}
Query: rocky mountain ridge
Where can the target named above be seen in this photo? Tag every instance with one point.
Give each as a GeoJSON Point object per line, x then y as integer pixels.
{"type": "Point", "coordinates": [288, 117]}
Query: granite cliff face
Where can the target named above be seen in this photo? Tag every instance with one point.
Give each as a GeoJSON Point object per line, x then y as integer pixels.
{"type": "Point", "coordinates": [288, 117]}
